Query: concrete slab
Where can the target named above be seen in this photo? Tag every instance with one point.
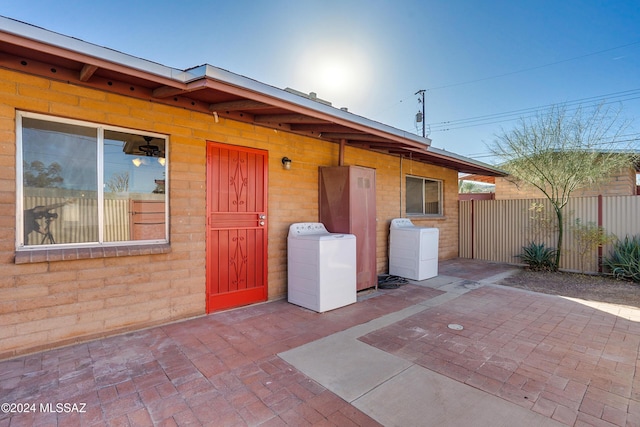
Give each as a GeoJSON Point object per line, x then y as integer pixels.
{"type": "Point", "coordinates": [500, 276]}
{"type": "Point", "coordinates": [417, 396]}
{"type": "Point", "coordinates": [460, 287]}
{"type": "Point", "coordinates": [347, 367]}
{"type": "Point", "coordinates": [436, 282]}
{"type": "Point", "coordinates": [386, 320]}
{"type": "Point", "coordinates": [394, 391]}
{"type": "Point", "coordinates": [449, 283]}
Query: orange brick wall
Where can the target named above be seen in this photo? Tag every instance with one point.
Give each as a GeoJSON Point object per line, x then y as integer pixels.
{"type": "Point", "coordinates": [48, 304]}
{"type": "Point", "coordinates": [621, 184]}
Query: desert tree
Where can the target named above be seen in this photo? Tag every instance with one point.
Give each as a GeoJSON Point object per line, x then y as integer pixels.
{"type": "Point", "coordinates": [118, 182]}
{"type": "Point", "coordinates": [37, 174]}
{"type": "Point", "coordinates": [561, 150]}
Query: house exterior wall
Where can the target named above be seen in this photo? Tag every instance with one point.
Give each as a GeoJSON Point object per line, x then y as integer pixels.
{"type": "Point", "coordinates": [78, 296]}
{"type": "Point", "coordinates": [620, 184]}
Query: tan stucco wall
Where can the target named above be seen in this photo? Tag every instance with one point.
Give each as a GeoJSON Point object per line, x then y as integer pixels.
{"type": "Point", "coordinates": [52, 303]}
{"type": "Point", "coordinates": [620, 184]}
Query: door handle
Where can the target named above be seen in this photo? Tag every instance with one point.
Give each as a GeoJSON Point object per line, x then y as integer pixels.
{"type": "Point", "coordinates": [261, 222]}
{"type": "Point", "coordinates": [262, 216]}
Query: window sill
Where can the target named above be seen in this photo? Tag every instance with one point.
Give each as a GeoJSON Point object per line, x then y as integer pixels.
{"type": "Point", "coordinates": [426, 217]}
{"type": "Point", "coordinates": [69, 254]}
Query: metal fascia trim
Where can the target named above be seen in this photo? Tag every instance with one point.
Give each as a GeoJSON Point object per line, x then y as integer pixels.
{"type": "Point", "coordinates": [448, 154]}
{"type": "Point", "coordinates": [227, 77]}
{"type": "Point", "coordinates": [47, 37]}
{"type": "Point", "coordinates": [41, 35]}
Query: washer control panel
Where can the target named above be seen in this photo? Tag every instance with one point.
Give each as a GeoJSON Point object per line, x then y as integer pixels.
{"type": "Point", "coordinates": [401, 223]}
{"type": "Point", "coordinates": [303, 228]}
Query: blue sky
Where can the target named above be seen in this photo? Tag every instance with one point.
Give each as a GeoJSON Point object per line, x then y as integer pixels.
{"type": "Point", "coordinates": [475, 59]}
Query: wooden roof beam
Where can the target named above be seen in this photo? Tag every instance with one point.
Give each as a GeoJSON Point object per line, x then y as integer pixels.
{"type": "Point", "coordinates": [87, 71]}
{"type": "Point", "coordinates": [241, 105]}
{"type": "Point", "coordinates": [354, 137]}
{"type": "Point", "coordinates": [169, 91]}
{"type": "Point", "coordinates": [287, 118]}
{"type": "Point", "coordinates": [328, 127]}
{"type": "Point", "coordinates": [382, 144]}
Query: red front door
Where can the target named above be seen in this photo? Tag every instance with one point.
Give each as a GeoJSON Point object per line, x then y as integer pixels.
{"type": "Point", "coordinates": [236, 226]}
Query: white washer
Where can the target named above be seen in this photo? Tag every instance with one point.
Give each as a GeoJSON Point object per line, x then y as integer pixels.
{"type": "Point", "coordinates": [413, 251]}
{"type": "Point", "coordinates": [321, 267]}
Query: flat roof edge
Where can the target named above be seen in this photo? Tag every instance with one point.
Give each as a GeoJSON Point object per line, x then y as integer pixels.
{"type": "Point", "coordinates": [224, 76]}
{"type": "Point", "coordinates": [52, 38]}
{"type": "Point", "coordinates": [489, 168]}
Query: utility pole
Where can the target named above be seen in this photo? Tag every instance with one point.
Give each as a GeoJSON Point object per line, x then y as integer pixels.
{"type": "Point", "coordinates": [420, 117]}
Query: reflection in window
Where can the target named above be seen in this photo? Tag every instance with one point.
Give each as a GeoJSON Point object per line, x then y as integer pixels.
{"type": "Point", "coordinates": [134, 169]}
{"type": "Point", "coordinates": [424, 196]}
{"type": "Point", "coordinates": [60, 197]}
{"type": "Point", "coordinates": [86, 184]}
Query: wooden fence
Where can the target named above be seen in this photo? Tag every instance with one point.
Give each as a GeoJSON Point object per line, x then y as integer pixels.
{"type": "Point", "coordinates": [496, 230]}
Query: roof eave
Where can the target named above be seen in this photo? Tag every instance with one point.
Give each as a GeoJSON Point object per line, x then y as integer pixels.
{"type": "Point", "coordinates": [257, 90]}
{"type": "Point", "coordinates": [207, 76]}
{"type": "Point", "coordinates": [468, 165]}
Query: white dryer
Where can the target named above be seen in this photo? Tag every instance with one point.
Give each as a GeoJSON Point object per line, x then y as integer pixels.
{"type": "Point", "coordinates": [321, 267]}
{"type": "Point", "coordinates": [413, 250]}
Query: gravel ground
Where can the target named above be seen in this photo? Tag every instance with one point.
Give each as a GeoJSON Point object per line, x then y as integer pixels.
{"type": "Point", "coordinates": [589, 287]}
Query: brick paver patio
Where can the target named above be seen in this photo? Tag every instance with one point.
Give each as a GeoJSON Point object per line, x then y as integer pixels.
{"type": "Point", "coordinates": [218, 370]}
{"type": "Point", "coordinates": [557, 357]}
{"type": "Point", "coordinates": [563, 359]}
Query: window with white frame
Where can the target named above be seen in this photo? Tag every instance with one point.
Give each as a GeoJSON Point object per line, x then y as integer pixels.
{"type": "Point", "coordinates": [83, 184]}
{"type": "Point", "coordinates": [424, 196]}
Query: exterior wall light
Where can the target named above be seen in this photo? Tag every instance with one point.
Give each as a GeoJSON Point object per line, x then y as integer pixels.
{"type": "Point", "coordinates": [286, 163]}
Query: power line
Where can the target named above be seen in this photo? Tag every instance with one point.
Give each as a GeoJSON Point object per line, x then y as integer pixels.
{"type": "Point", "coordinates": [630, 138]}
{"type": "Point", "coordinates": [525, 113]}
{"type": "Point", "coordinates": [503, 120]}
{"type": "Point", "coordinates": [598, 99]}
{"type": "Point", "coordinates": [438, 127]}
{"type": "Point", "coordinates": [538, 108]}
{"type": "Point", "coordinates": [533, 109]}
{"type": "Point", "coordinates": [392, 106]}
{"type": "Point", "coordinates": [533, 68]}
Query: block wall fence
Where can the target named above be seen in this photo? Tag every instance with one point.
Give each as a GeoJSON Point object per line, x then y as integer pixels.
{"type": "Point", "coordinates": [621, 184]}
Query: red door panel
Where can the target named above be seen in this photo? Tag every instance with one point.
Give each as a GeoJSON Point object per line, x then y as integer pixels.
{"type": "Point", "coordinates": [236, 226]}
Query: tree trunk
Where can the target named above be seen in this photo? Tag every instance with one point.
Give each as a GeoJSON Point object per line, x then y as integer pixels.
{"type": "Point", "coordinates": [560, 235]}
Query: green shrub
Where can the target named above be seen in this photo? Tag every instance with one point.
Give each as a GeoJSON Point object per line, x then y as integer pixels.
{"type": "Point", "coordinates": [624, 259]}
{"type": "Point", "coordinates": [537, 257]}
{"type": "Point", "coordinates": [588, 236]}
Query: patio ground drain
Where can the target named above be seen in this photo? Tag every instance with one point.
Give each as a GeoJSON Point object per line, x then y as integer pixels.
{"type": "Point", "coordinates": [455, 327]}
